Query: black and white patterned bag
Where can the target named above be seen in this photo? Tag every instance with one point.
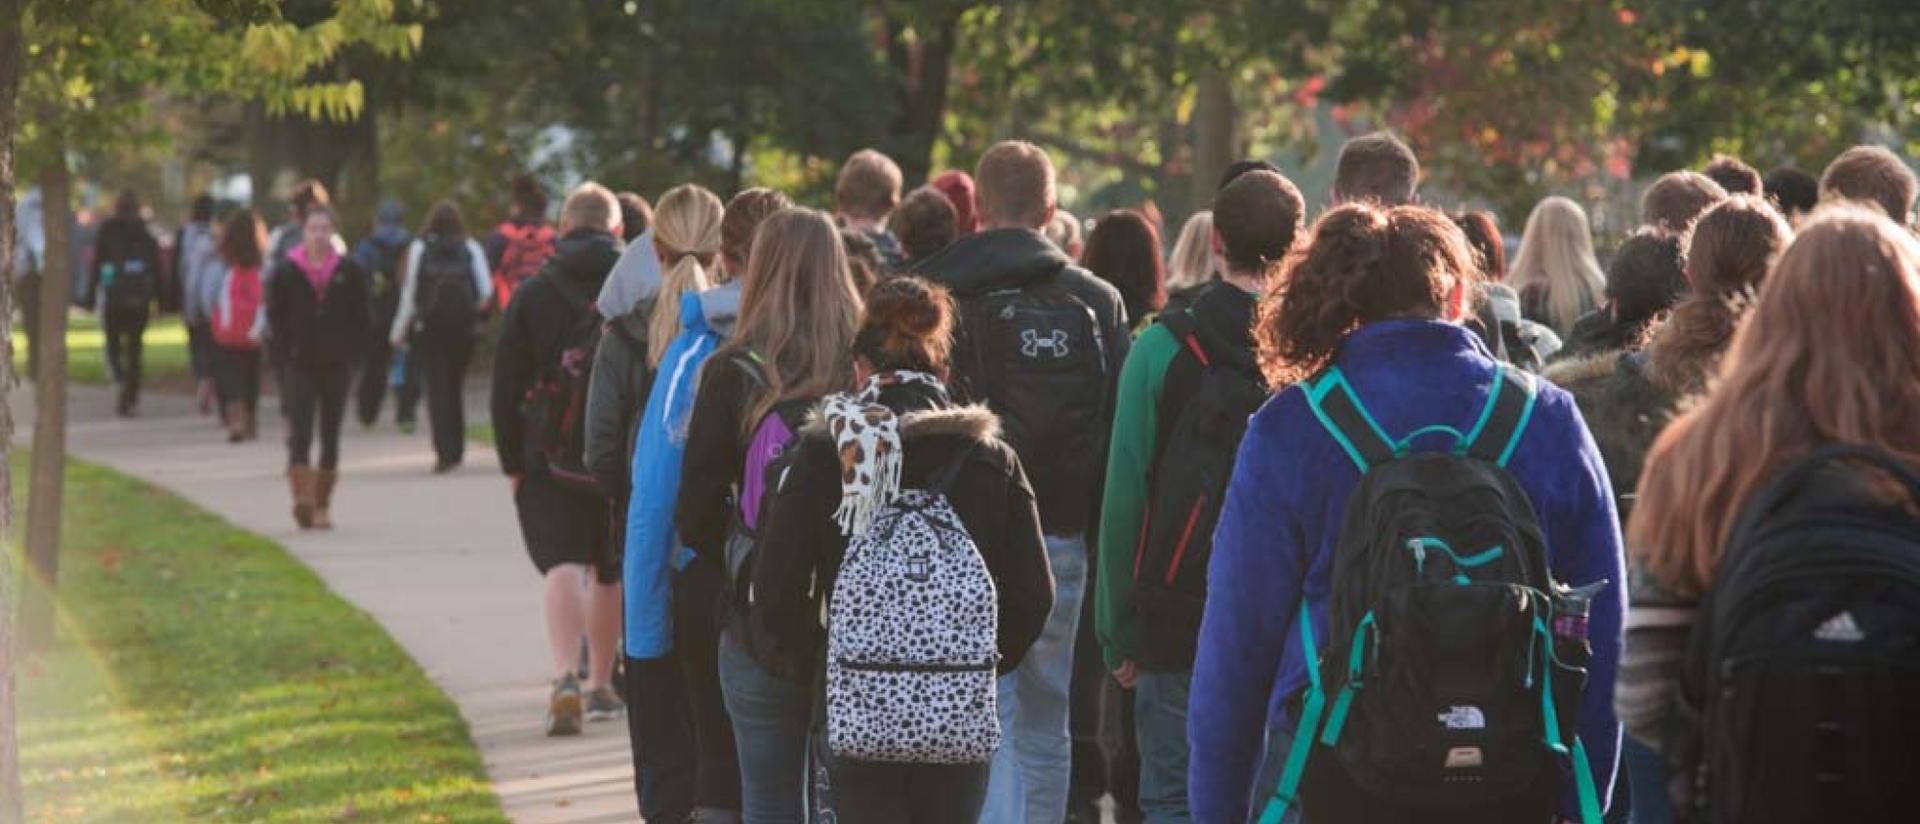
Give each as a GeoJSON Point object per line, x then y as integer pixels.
{"type": "Point", "coordinates": [911, 638]}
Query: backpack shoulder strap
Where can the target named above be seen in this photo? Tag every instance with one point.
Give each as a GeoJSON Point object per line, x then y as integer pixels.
{"type": "Point", "coordinates": [1340, 411]}
{"type": "Point", "coordinates": [951, 472]}
{"type": "Point", "coordinates": [1509, 408]}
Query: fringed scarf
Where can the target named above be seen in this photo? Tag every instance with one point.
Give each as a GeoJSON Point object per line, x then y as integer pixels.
{"type": "Point", "coordinates": [867, 436]}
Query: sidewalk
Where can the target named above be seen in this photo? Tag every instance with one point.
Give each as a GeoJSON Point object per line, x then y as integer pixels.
{"type": "Point", "coordinates": [436, 559]}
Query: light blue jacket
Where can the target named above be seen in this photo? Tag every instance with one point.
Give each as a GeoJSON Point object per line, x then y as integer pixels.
{"type": "Point", "coordinates": [654, 550]}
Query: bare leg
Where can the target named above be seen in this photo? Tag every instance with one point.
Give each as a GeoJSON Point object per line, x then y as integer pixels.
{"type": "Point", "coordinates": [566, 616]}
{"type": "Point", "coordinates": [603, 632]}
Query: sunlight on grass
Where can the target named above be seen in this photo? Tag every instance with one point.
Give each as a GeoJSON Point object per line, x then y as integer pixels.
{"type": "Point", "coordinates": [204, 675]}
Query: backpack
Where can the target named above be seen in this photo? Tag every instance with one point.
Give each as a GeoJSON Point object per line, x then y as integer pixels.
{"type": "Point", "coordinates": [238, 309]}
{"type": "Point", "coordinates": [912, 638]}
{"type": "Point", "coordinates": [448, 302]}
{"type": "Point", "coordinates": [765, 465]}
{"type": "Point", "coordinates": [1799, 697]}
{"type": "Point", "coordinates": [555, 406]}
{"type": "Point", "coordinates": [1449, 691]}
{"type": "Point", "coordinates": [1199, 437]}
{"type": "Point", "coordinates": [527, 249]}
{"type": "Point", "coordinates": [130, 275]}
{"type": "Point", "coordinates": [1037, 357]}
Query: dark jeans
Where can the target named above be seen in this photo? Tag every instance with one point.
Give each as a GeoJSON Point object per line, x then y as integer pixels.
{"type": "Point", "coordinates": [1106, 757]}
{"type": "Point", "coordinates": [375, 372]}
{"type": "Point", "coordinates": [237, 376]}
{"type": "Point", "coordinates": [1641, 787]}
{"type": "Point", "coordinates": [662, 739]}
{"type": "Point", "coordinates": [441, 368]}
{"type": "Point", "coordinates": [867, 792]}
{"type": "Point", "coordinates": [202, 353]}
{"type": "Point", "coordinates": [772, 717]}
{"type": "Point", "coordinates": [311, 394]}
{"type": "Point", "coordinates": [696, 642]}
{"type": "Point", "coordinates": [125, 330]}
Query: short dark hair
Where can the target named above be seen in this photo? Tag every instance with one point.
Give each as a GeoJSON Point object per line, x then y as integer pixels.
{"type": "Point", "coordinates": [1646, 277]}
{"type": "Point", "coordinates": [126, 206]}
{"type": "Point", "coordinates": [925, 222]}
{"type": "Point", "coordinates": [529, 197]}
{"type": "Point", "coordinates": [636, 215]}
{"type": "Point", "coordinates": [1376, 167]}
{"type": "Point", "coordinates": [1483, 232]}
{"type": "Point", "coordinates": [443, 220]}
{"type": "Point", "coordinates": [1124, 249]}
{"type": "Point", "coordinates": [1258, 217]}
{"type": "Point", "coordinates": [202, 208]}
{"type": "Point", "coordinates": [1874, 175]}
{"type": "Point", "coordinates": [1733, 175]}
{"type": "Point", "coordinates": [1676, 199]}
{"type": "Point", "coordinates": [1792, 190]}
{"type": "Point", "coordinates": [863, 258]}
{"type": "Point", "coordinates": [1240, 167]}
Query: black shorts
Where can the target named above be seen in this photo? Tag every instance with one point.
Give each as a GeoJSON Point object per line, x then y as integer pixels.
{"type": "Point", "coordinates": [561, 526]}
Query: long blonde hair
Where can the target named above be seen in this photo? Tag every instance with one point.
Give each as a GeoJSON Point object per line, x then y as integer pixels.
{"type": "Point", "coordinates": [1556, 258]}
{"type": "Point", "coordinates": [1831, 353]}
{"type": "Point", "coordinates": [799, 311]}
{"type": "Point", "coordinates": [1192, 261]}
{"type": "Point", "coordinates": [686, 233]}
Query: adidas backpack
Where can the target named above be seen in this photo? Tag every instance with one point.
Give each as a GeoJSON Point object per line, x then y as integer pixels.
{"type": "Point", "coordinates": [1799, 697]}
{"type": "Point", "coordinates": [555, 406]}
{"type": "Point", "coordinates": [912, 638]}
{"type": "Point", "coordinates": [1037, 357]}
{"type": "Point", "coordinates": [1188, 482]}
{"type": "Point", "coordinates": [1442, 687]}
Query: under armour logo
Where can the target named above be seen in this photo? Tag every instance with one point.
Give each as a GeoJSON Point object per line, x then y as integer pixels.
{"type": "Point", "coordinates": [1055, 343]}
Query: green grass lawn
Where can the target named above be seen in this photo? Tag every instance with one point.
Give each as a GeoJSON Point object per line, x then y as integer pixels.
{"type": "Point", "coordinates": [204, 675]}
{"type": "Point", "coordinates": [481, 433]}
{"type": "Point", "coordinates": [165, 354]}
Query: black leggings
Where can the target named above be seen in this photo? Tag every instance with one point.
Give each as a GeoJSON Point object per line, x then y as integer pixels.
{"type": "Point", "coordinates": [125, 330]}
{"type": "Point", "coordinates": [696, 642]}
{"type": "Point", "coordinates": [664, 766]}
{"type": "Point", "coordinates": [442, 368]}
{"type": "Point", "coordinates": [310, 393]}
{"type": "Point", "coordinates": [237, 376]}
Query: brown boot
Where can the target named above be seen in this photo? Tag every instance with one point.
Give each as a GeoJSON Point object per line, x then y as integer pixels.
{"type": "Point", "coordinates": [325, 480]}
{"type": "Point", "coordinates": [236, 420]}
{"type": "Point", "coordinates": [300, 480]}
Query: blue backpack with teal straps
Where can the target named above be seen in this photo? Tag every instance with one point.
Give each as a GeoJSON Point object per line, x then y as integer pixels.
{"type": "Point", "coordinates": [1451, 680]}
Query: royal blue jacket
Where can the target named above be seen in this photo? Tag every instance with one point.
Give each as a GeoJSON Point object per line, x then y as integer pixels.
{"type": "Point", "coordinates": [1275, 541]}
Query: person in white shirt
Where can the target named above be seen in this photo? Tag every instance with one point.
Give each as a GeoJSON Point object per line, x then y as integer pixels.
{"type": "Point", "coordinates": [445, 284]}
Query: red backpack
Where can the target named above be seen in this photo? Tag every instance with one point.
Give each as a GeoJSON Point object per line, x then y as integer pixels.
{"type": "Point", "coordinates": [528, 248]}
{"type": "Point", "coordinates": [239, 307]}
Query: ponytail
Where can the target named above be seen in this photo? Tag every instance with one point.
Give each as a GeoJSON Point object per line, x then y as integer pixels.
{"type": "Point", "coordinates": [686, 230]}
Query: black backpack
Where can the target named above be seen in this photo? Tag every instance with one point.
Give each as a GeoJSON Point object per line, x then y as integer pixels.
{"type": "Point", "coordinates": [1799, 698]}
{"type": "Point", "coordinates": [1202, 420]}
{"type": "Point", "coordinates": [1036, 355]}
{"type": "Point", "coordinates": [1442, 690]}
{"type": "Point", "coordinates": [555, 406]}
{"type": "Point", "coordinates": [447, 303]}
{"type": "Point", "coordinates": [135, 278]}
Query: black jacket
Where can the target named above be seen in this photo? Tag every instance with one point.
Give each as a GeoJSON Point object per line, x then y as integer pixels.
{"type": "Point", "coordinates": [1000, 259]}
{"type": "Point", "coordinates": [534, 331]}
{"type": "Point", "coordinates": [792, 575]}
{"type": "Point", "coordinates": [615, 399]}
{"type": "Point", "coordinates": [120, 240]}
{"type": "Point", "coordinates": [715, 456]}
{"type": "Point", "coordinates": [314, 331]}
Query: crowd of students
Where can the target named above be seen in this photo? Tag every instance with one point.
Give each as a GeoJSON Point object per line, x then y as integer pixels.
{"type": "Point", "coordinates": [907, 512]}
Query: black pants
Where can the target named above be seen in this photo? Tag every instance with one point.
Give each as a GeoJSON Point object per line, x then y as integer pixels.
{"type": "Point", "coordinates": [1106, 755]}
{"type": "Point", "coordinates": [311, 394]}
{"type": "Point", "coordinates": [376, 372]}
{"type": "Point", "coordinates": [664, 765]}
{"type": "Point", "coordinates": [237, 376]}
{"type": "Point", "coordinates": [125, 331]}
{"type": "Point", "coordinates": [441, 367]}
{"type": "Point", "coordinates": [867, 792]}
{"type": "Point", "coordinates": [202, 353]}
{"type": "Point", "coordinates": [27, 290]}
{"type": "Point", "coordinates": [696, 642]}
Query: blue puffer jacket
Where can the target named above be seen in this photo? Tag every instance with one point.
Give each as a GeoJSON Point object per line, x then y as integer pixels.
{"type": "Point", "coordinates": [654, 550]}
{"type": "Point", "coordinates": [1278, 528]}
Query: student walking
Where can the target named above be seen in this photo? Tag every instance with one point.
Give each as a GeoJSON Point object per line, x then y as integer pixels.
{"type": "Point", "coordinates": [1188, 387]}
{"type": "Point", "coordinates": [436, 315]}
{"type": "Point", "coordinates": [196, 263]}
{"type": "Point", "coordinates": [237, 299]}
{"type": "Point", "coordinates": [1043, 349]}
{"type": "Point", "coordinates": [317, 307]}
{"type": "Point", "coordinates": [682, 739]}
{"type": "Point", "coordinates": [126, 265]}
{"type": "Point", "coordinates": [540, 371]}
{"type": "Point", "coordinates": [864, 195]}
{"type": "Point", "coordinates": [521, 244]}
{"type": "Point", "coordinates": [879, 477]}
{"type": "Point", "coordinates": [1366, 322]}
{"type": "Point", "coordinates": [798, 314]}
{"type": "Point", "coordinates": [1785, 504]}
{"type": "Point", "coordinates": [1555, 272]}
{"type": "Point", "coordinates": [1643, 281]}
{"type": "Point", "coordinates": [386, 255]}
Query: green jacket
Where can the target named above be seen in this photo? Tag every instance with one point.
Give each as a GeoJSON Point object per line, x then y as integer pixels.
{"type": "Point", "coordinates": [1129, 458]}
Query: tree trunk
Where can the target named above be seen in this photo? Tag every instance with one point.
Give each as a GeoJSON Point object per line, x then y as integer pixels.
{"type": "Point", "coordinates": [49, 406]}
{"type": "Point", "coordinates": [11, 804]}
{"type": "Point", "coordinates": [1213, 138]}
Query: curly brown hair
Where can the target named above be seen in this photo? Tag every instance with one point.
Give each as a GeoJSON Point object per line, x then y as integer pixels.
{"type": "Point", "coordinates": [1363, 263]}
{"type": "Point", "coordinates": [908, 325]}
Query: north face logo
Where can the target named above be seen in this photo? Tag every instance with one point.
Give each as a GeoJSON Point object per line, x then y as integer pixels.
{"type": "Point", "coordinates": [1464, 718]}
{"type": "Point", "coordinates": [1840, 629]}
{"type": "Point", "coordinates": [1055, 343]}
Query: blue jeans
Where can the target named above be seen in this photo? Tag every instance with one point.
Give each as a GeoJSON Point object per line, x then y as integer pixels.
{"type": "Point", "coordinates": [1646, 772]}
{"type": "Point", "coordinates": [1160, 722]}
{"type": "Point", "coordinates": [1030, 772]}
{"type": "Point", "coordinates": [771, 719]}
{"type": "Point", "coordinates": [1267, 779]}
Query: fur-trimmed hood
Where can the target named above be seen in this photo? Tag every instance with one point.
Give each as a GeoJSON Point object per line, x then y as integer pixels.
{"type": "Point", "coordinates": [1623, 409]}
{"type": "Point", "coordinates": [971, 421]}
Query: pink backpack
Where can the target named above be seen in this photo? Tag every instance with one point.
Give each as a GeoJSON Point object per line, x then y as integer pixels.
{"type": "Point", "coordinates": [238, 310]}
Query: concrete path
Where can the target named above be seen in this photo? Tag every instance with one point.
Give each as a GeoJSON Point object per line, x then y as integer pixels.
{"type": "Point", "coordinates": [436, 559]}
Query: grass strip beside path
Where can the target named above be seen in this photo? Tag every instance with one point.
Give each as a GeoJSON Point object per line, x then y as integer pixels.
{"type": "Point", "coordinates": [164, 356]}
{"type": "Point", "coordinates": [204, 675]}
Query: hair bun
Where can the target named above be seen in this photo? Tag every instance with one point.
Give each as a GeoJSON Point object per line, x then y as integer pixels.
{"type": "Point", "coordinates": [908, 324]}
